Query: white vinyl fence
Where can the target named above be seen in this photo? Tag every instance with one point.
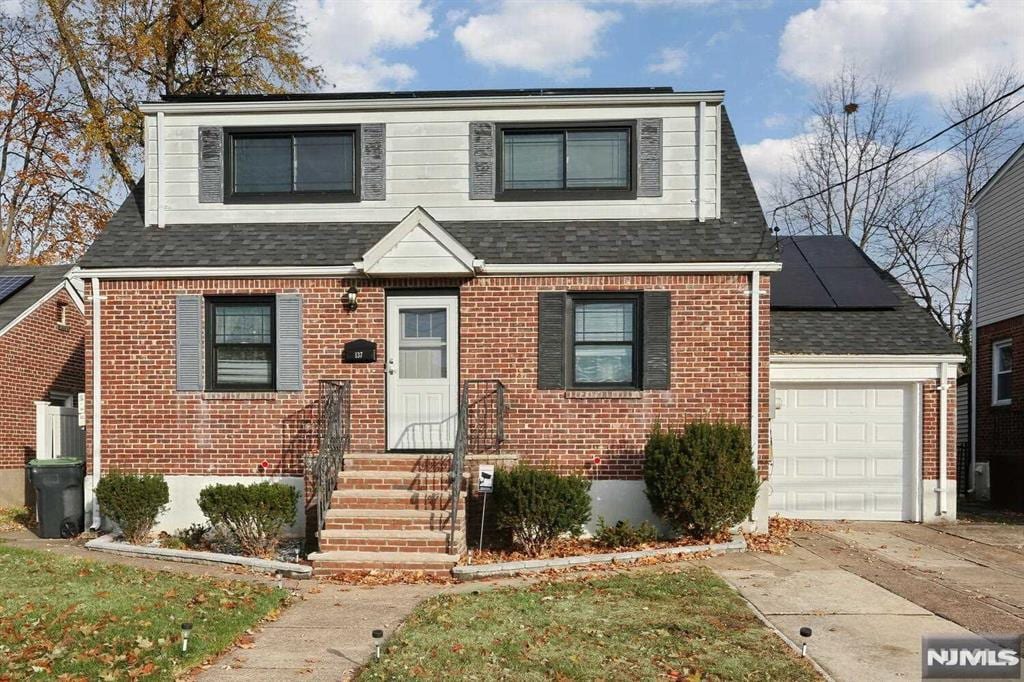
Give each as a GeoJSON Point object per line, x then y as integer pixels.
{"type": "Point", "coordinates": [58, 433]}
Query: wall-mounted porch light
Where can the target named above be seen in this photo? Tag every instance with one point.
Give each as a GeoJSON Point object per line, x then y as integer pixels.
{"type": "Point", "coordinates": [351, 296]}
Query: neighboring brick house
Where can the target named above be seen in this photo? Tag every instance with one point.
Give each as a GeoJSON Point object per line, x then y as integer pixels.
{"type": "Point", "coordinates": [391, 257]}
{"type": "Point", "coordinates": [998, 434]}
{"type": "Point", "coordinates": [42, 360]}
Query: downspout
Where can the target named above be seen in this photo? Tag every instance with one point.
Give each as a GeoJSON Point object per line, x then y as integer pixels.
{"type": "Point", "coordinates": [96, 368]}
{"type": "Point", "coordinates": [160, 183]}
{"type": "Point", "coordinates": [701, 113]}
{"type": "Point", "coordinates": [755, 362]}
{"type": "Point", "coordinates": [943, 426]}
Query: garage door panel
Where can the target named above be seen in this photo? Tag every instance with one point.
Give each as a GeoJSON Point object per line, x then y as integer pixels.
{"type": "Point", "coordinates": [841, 451]}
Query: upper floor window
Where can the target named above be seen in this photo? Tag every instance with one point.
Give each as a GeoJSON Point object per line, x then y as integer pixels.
{"type": "Point", "coordinates": [1002, 372]}
{"type": "Point", "coordinates": [298, 165]}
{"type": "Point", "coordinates": [577, 161]}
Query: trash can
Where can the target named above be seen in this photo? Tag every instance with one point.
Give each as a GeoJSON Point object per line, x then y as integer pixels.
{"type": "Point", "coordinates": [60, 496]}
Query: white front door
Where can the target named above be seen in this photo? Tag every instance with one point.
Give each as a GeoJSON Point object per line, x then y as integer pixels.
{"type": "Point", "coordinates": [844, 452]}
{"type": "Point", "coordinates": [422, 371]}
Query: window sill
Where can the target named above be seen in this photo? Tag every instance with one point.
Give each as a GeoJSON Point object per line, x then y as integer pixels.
{"type": "Point", "coordinates": [614, 394]}
{"type": "Point", "coordinates": [268, 396]}
{"type": "Point", "coordinates": [1002, 403]}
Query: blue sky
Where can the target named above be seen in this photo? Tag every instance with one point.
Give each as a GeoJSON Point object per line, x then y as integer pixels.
{"type": "Point", "coordinates": [768, 55]}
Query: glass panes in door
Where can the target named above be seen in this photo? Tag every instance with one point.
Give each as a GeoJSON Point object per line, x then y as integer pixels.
{"type": "Point", "coordinates": [423, 343]}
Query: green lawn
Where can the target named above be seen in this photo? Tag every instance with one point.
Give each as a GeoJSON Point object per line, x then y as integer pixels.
{"type": "Point", "coordinates": [642, 625]}
{"type": "Point", "coordinates": [98, 621]}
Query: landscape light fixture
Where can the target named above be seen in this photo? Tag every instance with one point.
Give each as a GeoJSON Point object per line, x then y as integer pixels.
{"type": "Point", "coordinates": [805, 632]}
{"type": "Point", "coordinates": [351, 298]}
{"type": "Point", "coordinates": [378, 637]}
{"type": "Point", "coordinates": [186, 630]}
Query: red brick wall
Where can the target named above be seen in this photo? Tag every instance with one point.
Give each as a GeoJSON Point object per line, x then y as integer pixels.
{"type": "Point", "coordinates": [36, 358]}
{"type": "Point", "coordinates": [149, 426]}
{"type": "Point", "coordinates": [999, 438]}
{"type": "Point", "coordinates": [930, 431]}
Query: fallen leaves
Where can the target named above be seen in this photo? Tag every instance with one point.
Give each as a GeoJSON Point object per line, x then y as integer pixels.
{"type": "Point", "coordinates": [379, 577]}
{"type": "Point", "coordinates": [778, 539]}
{"type": "Point", "coordinates": [570, 547]}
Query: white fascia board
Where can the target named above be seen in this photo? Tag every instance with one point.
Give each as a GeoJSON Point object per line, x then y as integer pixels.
{"type": "Point", "coordinates": [226, 272]}
{"type": "Point", "coordinates": [624, 268]}
{"type": "Point", "coordinates": [75, 295]}
{"type": "Point", "coordinates": [858, 368]}
{"type": "Point", "coordinates": [413, 104]}
{"type": "Point", "coordinates": [35, 306]}
{"type": "Point", "coordinates": [418, 217]}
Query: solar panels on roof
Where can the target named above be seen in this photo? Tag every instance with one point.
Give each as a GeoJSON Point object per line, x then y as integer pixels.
{"type": "Point", "coordinates": [828, 272]}
{"type": "Point", "coordinates": [12, 284]}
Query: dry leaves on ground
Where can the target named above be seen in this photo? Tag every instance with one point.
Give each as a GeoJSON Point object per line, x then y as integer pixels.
{"type": "Point", "coordinates": [568, 547]}
{"type": "Point", "coordinates": [779, 535]}
{"type": "Point", "coordinates": [377, 577]}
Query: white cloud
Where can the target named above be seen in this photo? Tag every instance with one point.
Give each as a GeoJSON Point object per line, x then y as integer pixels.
{"type": "Point", "coordinates": [924, 47]}
{"type": "Point", "coordinates": [669, 60]}
{"type": "Point", "coordinates": [775, 120]}
{"type": "Point", "coordinates": [348, 39]}
{"type": "Point", "coordinates": [769, 161]}
{"type": "Point", "coordinates": [552, 38]}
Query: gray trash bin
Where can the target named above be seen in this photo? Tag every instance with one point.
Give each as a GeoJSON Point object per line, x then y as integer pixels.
{"type": "Point", "coordinates": [60, 496]}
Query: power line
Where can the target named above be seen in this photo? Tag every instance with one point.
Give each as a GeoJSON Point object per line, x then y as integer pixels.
{"type": "Point", "coordinates": [903, 153]}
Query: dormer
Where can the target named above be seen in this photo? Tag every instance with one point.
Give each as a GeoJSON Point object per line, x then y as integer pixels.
{"type": "Point", "coordinates": [596, 154]}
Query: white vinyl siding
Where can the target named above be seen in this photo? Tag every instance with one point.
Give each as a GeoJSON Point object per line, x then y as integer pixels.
{"type": "Point", "coordinates": [428, 165]}
{"type": "Point", "coordinates": [1000, 258]}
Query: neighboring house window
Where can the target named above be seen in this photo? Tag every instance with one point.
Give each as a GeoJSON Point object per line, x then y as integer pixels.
{"type": "Point", "coordinates": [240, 343]}
{"type": "Point", "coordinates": [578, 161]}
{"type": "Point", "coordinates": [605, 341]}
{"type": "Point", "coordinates": [1002, 372]}
{"type": "Point", "coordinates": [284, 166]}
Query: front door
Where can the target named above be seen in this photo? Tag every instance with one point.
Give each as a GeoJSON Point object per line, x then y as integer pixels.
{"type": "Point", "coordinates": [422, 371]}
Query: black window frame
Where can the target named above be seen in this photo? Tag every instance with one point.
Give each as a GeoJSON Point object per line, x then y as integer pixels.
{"type": "Point", "coordinates": [325, 196]}
{"type": "Point", "coordinates": [636, 298]}
{"type": "Point", "coordinates": [563, 193]}
{"type": "Point", "coordinates": [214, 302]}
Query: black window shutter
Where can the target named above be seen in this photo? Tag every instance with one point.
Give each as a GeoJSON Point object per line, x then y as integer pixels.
{"type": "Point", "coordinates": [481, 160]}
{"type": "Point", "coordinates": [371, 162]}
{"type": "Point", "coordinates": [288, 310]}
{"type": "Point", "coordinates": [551, 340]}
{"type": "Point", "coordinates": [657, 346]}
{"type": "Point", "coordinates": [211, 165]}
{"type": "Point", "coordinates": [649, 156]}
{"type": "Point", "coordinates": [189, 342]}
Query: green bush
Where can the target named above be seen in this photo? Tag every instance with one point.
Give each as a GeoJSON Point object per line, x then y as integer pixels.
{"type": "Point", "coordinates": [624, 534]}
{"type": "Point", "coordinates": [255, 514]}
{"type": "Point", "coordinates": [537, 506]}
{"type": "Point", "coordinates": [133, 502]}
{"type": "Point", "coordinates": [700, 480]}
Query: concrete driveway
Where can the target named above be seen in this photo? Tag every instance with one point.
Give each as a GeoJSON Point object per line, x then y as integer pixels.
{"type": "Point", "coordinates": [869, 591]}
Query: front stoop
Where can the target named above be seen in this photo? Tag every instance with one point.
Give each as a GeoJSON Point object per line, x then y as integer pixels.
{"type": "Point", "coordinates": [390, 512]}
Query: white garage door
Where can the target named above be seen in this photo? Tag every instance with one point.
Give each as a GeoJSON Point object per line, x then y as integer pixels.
{"type": "Point", "coordinates": [843, 452]}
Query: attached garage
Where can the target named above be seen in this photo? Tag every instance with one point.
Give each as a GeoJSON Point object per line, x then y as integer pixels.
{"type": "Point", "coordinates": [863, 392]}
{"type": "Point", "coordinates": [844, 451]}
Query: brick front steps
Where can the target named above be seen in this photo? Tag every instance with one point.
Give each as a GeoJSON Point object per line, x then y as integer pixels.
{"type": "Point", "coordinates": [391, 512]}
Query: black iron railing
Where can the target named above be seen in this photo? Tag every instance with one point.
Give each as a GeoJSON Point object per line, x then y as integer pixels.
{"type": "Point", "coordinates": [480, 429]}
{"type": "Point", "coordinates": [963, 468]}
{"type": "Point", "coordinates": [333, 435]}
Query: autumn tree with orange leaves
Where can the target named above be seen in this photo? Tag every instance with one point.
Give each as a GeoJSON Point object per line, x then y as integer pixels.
{"type": "Point", "coordinates": [50, 201]}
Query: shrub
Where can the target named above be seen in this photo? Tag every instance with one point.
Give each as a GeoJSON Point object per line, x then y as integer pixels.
{"type": "Point", "coordinates": [537, 506]}
{"type": "Point", "coordinates": [134, 502]}
{"type": "Point", "coordinates": [255, 514]}
{"type": "Point", "coordinates": [624, 534]}
{"type": "Point", "coordinates": [700, 480]}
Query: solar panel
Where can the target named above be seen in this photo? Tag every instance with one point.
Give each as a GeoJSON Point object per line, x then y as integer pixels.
{"type": "Point", "coordinates": [12, 284]}
{"type": "Point", "coordinates": [828, 272]}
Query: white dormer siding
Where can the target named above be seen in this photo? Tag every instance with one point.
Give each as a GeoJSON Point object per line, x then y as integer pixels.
{"type": "Point", "coordinates": [999, 262]}
{"type": "Point", "coordinates": [427, 161]}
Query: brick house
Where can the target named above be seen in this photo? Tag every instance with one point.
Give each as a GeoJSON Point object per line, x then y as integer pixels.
{"type": "Point", "coordinates": [527, 275]}
{"type": "Point", "coordinates": [998, 433]}
{"type": "Point", "coordinates": [42, 363]}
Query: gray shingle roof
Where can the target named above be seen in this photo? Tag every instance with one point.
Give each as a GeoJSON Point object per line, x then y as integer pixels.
{"type": "Point", "coordinates": [906, 329]}
{"type": "Point", "coordinates": [46, 277]}
{"type": "Point", "coordinates": [739, 235]}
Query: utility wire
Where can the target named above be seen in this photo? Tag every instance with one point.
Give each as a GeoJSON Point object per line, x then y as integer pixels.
{"type": "Point", "coordinates": [914, 170]}
{"type": "Point", "coordinates": [903, 153]}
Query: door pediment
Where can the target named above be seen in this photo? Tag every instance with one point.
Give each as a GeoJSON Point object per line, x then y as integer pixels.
{"type": "Point", "coordinates": [418, 245]}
